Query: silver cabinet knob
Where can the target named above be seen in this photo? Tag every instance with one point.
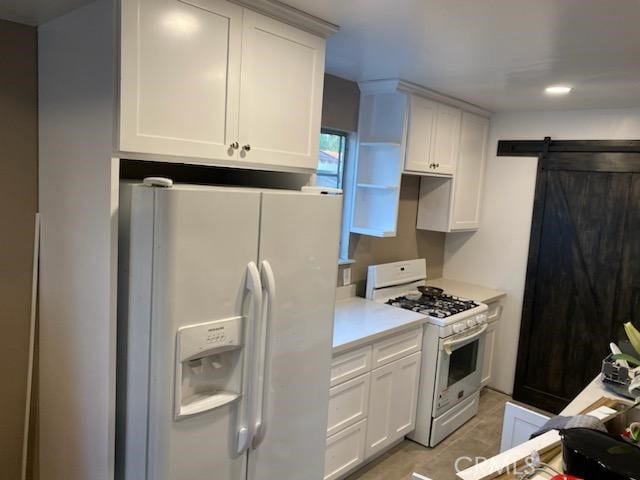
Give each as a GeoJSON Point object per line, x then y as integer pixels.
{"type": "Point", "coordinates": [234, 145]}
{"type": "Point", "coordinates": [246, 147]}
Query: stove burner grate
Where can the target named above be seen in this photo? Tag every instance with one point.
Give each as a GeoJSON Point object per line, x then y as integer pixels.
{"type": "Point", "coordinates": [438, 306]}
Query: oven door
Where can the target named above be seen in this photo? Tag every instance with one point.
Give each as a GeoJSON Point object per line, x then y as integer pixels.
{"type": "Point", "coordinates": [459, 370]}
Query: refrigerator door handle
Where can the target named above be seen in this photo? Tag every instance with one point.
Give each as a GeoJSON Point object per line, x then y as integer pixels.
{"type": "Point", "coordinates": [253, 285]}
{"type": "Point", "coordinates": [264, 368]}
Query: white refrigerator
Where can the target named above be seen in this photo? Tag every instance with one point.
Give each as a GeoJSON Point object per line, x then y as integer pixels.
{"type": "Point", "coordinates": [225, 320]}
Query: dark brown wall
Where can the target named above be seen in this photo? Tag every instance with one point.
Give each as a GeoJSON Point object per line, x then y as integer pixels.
{"type": "Point", "coordinates": [18, 200]}
{"type": "Point", "coordinates": [340, 111]}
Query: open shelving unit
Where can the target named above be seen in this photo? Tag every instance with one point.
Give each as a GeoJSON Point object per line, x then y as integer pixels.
{"type": "Point", "coordinates": [380, 157]}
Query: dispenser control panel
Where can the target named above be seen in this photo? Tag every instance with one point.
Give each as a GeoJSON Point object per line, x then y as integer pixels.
{"type": "Point", "coordinates": [210, 337]}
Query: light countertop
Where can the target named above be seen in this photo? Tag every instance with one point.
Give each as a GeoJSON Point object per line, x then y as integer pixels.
{"type": "Point", "coordinates": [467, 290]}
{"type": "Point", "coordinates": [494, 466]}
{"type": "Point", "coordinates": [592, 392]}
{"type": "Point", "coordinates": [358, 321]}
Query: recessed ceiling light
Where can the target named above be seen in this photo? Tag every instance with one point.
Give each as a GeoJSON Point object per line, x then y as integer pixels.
{"type": "Point", "coordinates": [557, 90]}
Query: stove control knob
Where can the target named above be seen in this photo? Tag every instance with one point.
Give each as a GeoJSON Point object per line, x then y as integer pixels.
{"type": "Point", "coordinates": [472, 322]}
{"type": "Point", "coordinates": [458, 327]}
{"type": "Point", "coordinates": [482, 318]}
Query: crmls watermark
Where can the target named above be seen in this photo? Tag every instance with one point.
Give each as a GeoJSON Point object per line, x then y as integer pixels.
{"type": "Point", "coordinates": [486, 466]}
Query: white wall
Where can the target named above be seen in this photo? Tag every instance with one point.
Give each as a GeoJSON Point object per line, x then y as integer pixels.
{"type": "Point", "coordinates": [78, 239]}
{"type": "Point", "coordinates": [496, 255]}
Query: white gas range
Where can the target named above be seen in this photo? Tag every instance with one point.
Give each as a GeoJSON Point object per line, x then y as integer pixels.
{"type": "Point", "coordinates": [453, 346]}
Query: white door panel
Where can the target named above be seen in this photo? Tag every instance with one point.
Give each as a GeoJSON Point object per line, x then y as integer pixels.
{"type": "Point", "coordinates": [470, 172]}
{"type": "Point", "coordinates": [280, 93]}
{"type": "Point", "coordinates": [348, 403]}
{"type": "Point", "coordinates": [204, 239]}
{"type": "Point", "coordinates": [180, 76]}
{"type": "Point", "coordinates": [380, 403]}
{"type": "Point", "coordinates": [299, 238]}
{"type": "Point", "coordinates": [519, 424]}
{"type": "Point", "coordinates": [405, 386]}
{"type": "Point", "coordinates": [345, 451]}
{"type": "Point", "coordinates": [445, 140]}
{"type": "Point", "coordinates": [422, 118]}
{"type": "Point", "coordinates": [489, 354]}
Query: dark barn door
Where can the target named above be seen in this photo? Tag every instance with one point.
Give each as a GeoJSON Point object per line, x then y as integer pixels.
{"type": "Point", "coordinates": [583, 273]}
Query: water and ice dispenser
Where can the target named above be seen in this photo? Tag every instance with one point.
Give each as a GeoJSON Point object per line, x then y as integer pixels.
{"type": "Point", "coordinates": [208, 366]}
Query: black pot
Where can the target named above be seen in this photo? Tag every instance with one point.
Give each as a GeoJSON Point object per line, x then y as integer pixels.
{"type": "Point", "coordinates": [594, 455]}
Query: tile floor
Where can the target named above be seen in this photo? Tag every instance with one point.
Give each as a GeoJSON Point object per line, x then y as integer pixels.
{"type": "Point", "coordinates": [480, 437]}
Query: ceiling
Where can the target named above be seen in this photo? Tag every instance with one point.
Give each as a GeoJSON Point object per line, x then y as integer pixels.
{"type": "Point", "coordinates": [498, 54]}
{"type": "Point", "coordinates": [36, 12]}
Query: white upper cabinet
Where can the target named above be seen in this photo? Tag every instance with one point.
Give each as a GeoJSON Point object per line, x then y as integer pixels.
{"type": "Point", "coordinates": [445, 140]}
{"type": "Point", "coordinates": [453, 204]}
{"type": "Point", "coordinates": [422, 118]}
{"type": "Point", "coordinates": [470, 175]}
{"type": "Point", "coordinates": [432, 137]}
{"type": "Point", "coordinates": [211, 81]}
{"type": "Point", "coordinates": [407, 129]}
{"type": "Point", "coordinates": [180, 76]}
{"type": "Point", "coordinates": [280, 93]}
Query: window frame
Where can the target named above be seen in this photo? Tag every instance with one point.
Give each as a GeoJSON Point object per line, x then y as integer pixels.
{"type": "Point", "coordinates": [345, 175]}
{"type": "Point", "coordinates": [345, 152]}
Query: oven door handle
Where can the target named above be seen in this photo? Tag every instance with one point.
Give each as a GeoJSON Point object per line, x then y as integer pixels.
{"type": "Point", "coordinates": [447, 346]}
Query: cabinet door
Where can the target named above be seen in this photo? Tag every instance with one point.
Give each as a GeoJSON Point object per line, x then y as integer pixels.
{"type": "Point", "coordinates": [489, 347]}
{"type": "Point", "coordinates": [348, 403]}
{"type": "Point", "coordinates": [345, 451]}
{"type": "Point", "coordinates": [280, 93]}
{"type": "Point", "coordinates": [381, 393]}
{"type": "Point", "coordinates": [180, 70]}
{"type": "Point", "coordinates": [446, 138]}
{"type": "Point", "coordinates": [519, 423]}
{"type": "Point", "coordinates": [406, 377]}
{"type": "Point", "coordinates": [392, 402]}
{"type": "Point", "coordinates": [422, 118]}
{"type": "Point", "coordinates": [470, 172]}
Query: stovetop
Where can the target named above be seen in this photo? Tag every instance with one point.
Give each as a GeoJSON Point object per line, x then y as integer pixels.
{"type": "Point", "coordinates": [437, 306]}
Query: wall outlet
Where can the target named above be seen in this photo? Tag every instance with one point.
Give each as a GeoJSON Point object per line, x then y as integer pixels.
{"type": "Point", "coordinates": [346, 276]}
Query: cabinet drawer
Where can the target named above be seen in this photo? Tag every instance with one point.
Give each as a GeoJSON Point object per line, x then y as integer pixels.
{"type": "Point", "coordinates": [349, 365]}
{"type": "Point", "coordinates": [495, 311]}
{"type": "Point", "coordinates": [397, 347]}
{"type": "Point", "coordinates": [348, 403]}
{"type": "Point", "coordinates": [345, 451]}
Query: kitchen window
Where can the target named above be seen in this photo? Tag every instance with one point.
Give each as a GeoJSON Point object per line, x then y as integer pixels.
{"type": "Point", "coordinates": [334, 171]}
{"type": "Point", "coordinates": [333, 150]}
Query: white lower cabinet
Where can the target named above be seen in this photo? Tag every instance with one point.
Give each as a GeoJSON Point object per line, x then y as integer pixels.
{"type": "Point", "coordinates": [350, 365]}
{"type": "Point", "coordinates": [345, 451]}
{"type": "Point", "coordinates": [392, 402]}
{"type": "Point", "coordinates": [348, 403]}
{"type": "Point", "coordinates": [493, 318]}
{"type": "Point", "coordinates": [519, 424]}
{"type": "Point", "coordinates": [371, 411]}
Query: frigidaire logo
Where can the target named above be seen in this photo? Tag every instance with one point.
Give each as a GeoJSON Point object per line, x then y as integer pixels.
{"type": "Point", "coordinates": [214, 329]}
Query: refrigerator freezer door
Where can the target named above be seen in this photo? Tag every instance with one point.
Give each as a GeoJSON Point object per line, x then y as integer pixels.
{"type": "Point", "coordinates": [299, 239]}
{"type": "Point", "coordinates": [204, 238]}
